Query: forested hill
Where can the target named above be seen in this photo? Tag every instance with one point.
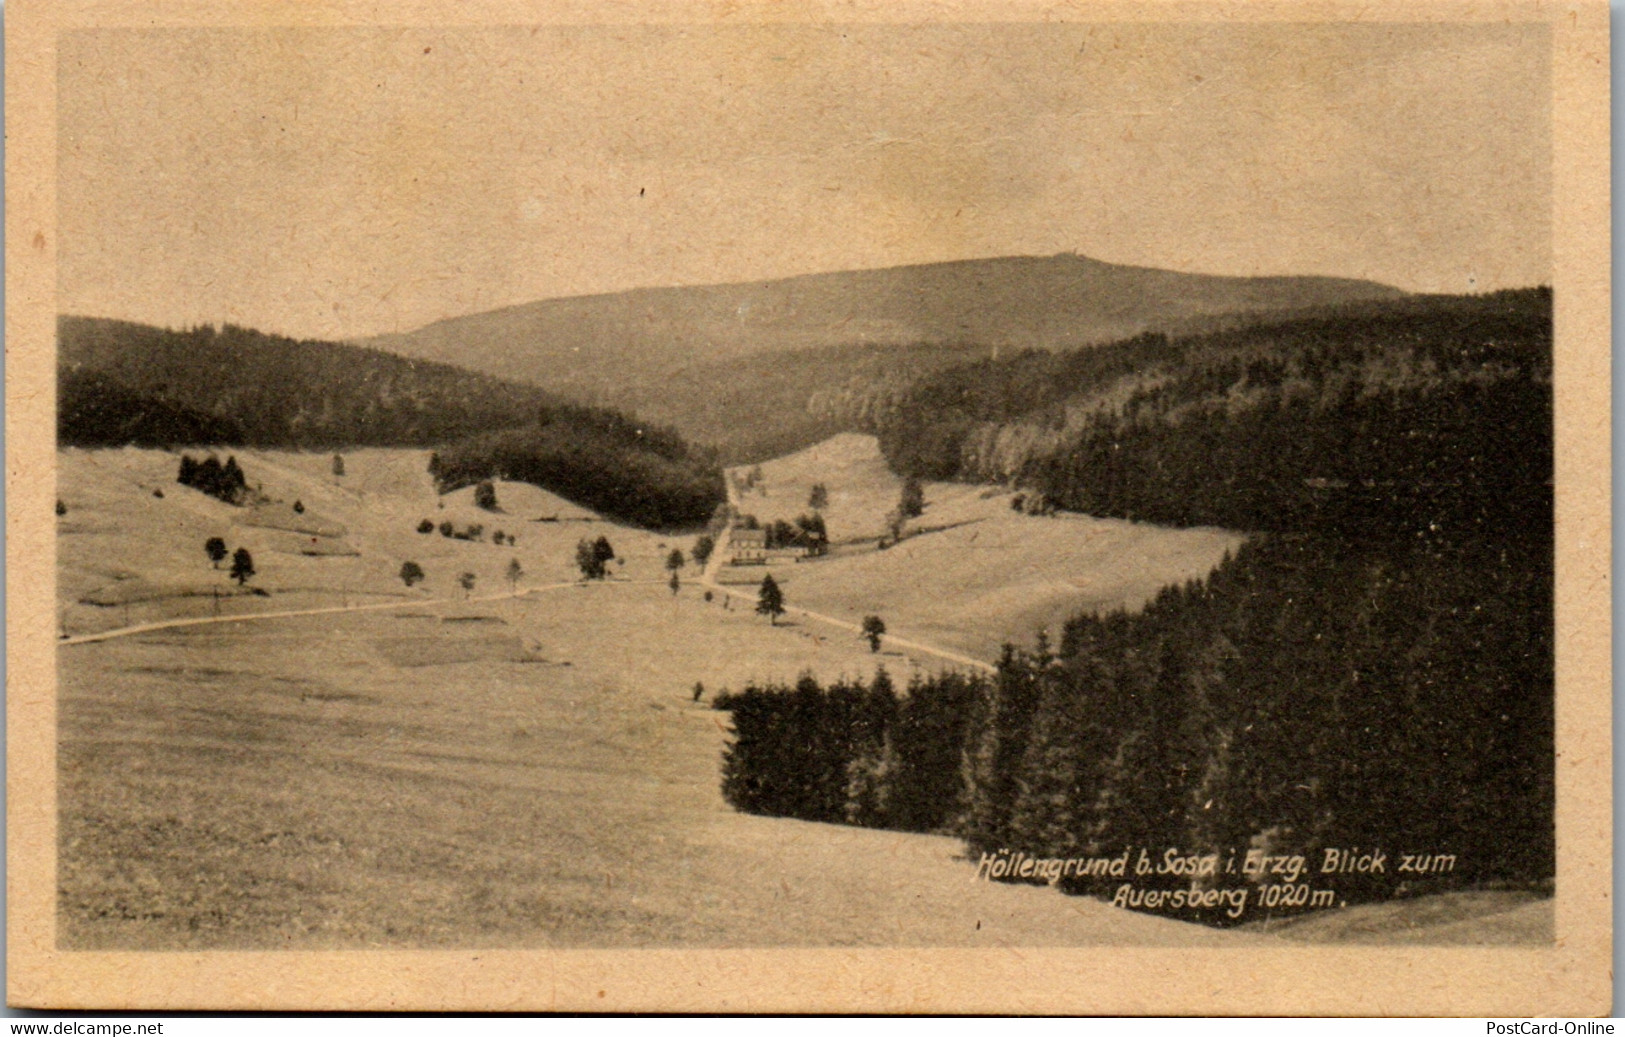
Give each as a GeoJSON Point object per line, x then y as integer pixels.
{"type": "Point", "coordinates": [121, 383]}
{"type": "Point", "coordinates": [1428, 411]}
{"type": "Point", "coordinates": [738, 365]}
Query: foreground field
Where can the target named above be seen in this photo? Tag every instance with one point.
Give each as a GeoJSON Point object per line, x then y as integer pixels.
{"type": "Point", "coordinates": [512, 777]}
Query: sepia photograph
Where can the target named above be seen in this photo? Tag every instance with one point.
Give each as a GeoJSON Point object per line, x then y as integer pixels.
{"type": "Point", "coordinates": [919, 491]}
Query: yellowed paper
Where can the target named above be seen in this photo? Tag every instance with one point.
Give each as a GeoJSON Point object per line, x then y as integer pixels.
{"type": "Point", "coordinates": [395, 747]}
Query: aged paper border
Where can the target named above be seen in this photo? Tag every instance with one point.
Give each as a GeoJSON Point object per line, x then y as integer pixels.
{"type": "Point", "coordinates": [1571, 978]}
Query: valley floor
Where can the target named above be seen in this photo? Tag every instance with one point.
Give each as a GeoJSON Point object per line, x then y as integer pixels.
{"type": "Point", "coordinates": [523, 764]}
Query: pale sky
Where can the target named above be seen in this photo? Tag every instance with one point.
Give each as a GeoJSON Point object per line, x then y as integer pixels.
{"type": "Point", "coordinates": [345, 182]}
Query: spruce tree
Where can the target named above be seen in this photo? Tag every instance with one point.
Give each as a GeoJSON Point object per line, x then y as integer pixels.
{"type": "Point", "coordinates": [242, 566]}
{"type": "Point", "coordinates": [770, 600]}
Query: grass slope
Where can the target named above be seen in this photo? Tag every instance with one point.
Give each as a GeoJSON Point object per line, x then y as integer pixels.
{"type": "Point", "coordinates": [975, 573]}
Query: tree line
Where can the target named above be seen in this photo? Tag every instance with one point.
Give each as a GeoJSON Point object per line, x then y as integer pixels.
{"type": "Point", "coordinates": [608, 463]}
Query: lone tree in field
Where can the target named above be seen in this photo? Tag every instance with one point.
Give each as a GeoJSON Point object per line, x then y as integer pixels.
{"type": "Point", "coordinates": [874, 628]}
{"type": "Point", "coordinates": [674, 561]}
{"type": "Point", "coordinates": [770, 600]}
{"type": "Point", "coordinates": [603, 552]}
{"type": "Point", "coordinates": [515, 570]}
{"type": "Point", "coordinates": [215, 548]}
{"type": "Point", "coordinates": [818, 499]}
{"type": "Point", "coordinates": [426, 526]}
{"type": "Point", "coordinates": [467, 582]}
{"type": "Point", "coordinates": [447, 529]}
{"type": "Point", "coordinates": [61, 509]}
{"type": "Point", "coordinates": [411, 573]}
{"type": "Point", "coordinates": [702, 550]}
{"type": "Point", "coordinates": [674, 583]}
{"type": "Point", "coordinates": [485, 495]}
{"type": "Point", "coordinates": [242, 566]}
{"type": "Point", "coordinates": [338, 466]}
{"type": "Point", "coordinates": [298, 507]}
{"type": "Point", "coordinates": [912, 504]}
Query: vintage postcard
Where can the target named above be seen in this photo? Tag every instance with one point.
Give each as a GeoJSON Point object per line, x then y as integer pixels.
{"type": "Point", "coordinates": [987, 507]}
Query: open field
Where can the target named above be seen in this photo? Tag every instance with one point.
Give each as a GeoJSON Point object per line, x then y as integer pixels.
{"type": "Point", "coordinates": [971, 573]}
{"type": "Point", "coordinates": [515, 771]}
{"type": "Point", "coordinates": [395, 779]}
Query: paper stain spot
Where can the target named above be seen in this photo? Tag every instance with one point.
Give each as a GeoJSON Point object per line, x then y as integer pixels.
{"type": "Point", "coordinates": [39, 240]}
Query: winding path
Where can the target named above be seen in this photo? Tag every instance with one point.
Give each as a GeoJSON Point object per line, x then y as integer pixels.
{"type": "Point", "coordinates": [196, 621]}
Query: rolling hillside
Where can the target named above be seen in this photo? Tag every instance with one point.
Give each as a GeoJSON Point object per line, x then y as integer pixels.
{"type": "Point", "coordinates": [667, 352]}
{"type": "Point", "coordinates": [125, 384]}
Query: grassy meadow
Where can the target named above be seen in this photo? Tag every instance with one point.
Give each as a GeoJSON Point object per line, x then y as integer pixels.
{"type": "Point", "coordinates": [522, 765]}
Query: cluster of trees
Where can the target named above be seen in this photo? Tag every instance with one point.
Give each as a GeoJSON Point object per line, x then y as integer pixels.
{"type": "Point", "coordinates": [853, 752]}
{"type": "Point", "coordinates": [242, 562]}
{"type": "Point", "coordinates": [593, 557]}
{"type": "Point", "coordinates": [808, 531]}
{"type": "Point", "coordinates": [222, 481]}
{"type": "Point", "coordinates": [412, 574]}
{"type": "Point", "coordinates": [473, 531]}
{"type": "Point", "coordinates": [598, 459]}
{"type": "Point", "coordinates": [1310, 694]}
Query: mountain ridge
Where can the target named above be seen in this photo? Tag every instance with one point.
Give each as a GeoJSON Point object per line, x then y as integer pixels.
{"type": "Point", "coordinates": [1008, 301]}
{"type": "Point", "coordinates": [742, 365]}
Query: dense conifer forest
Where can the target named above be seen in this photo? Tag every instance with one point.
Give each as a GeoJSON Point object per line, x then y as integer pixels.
{"type": "Point", "coordinates": [1405, 415]}
{"type": "Point", "coordinates": [599, 459]}
{"type": "Point", "coordinates": [252, 389]}
{"type": "Point", "coordinates": [1373, 668]}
